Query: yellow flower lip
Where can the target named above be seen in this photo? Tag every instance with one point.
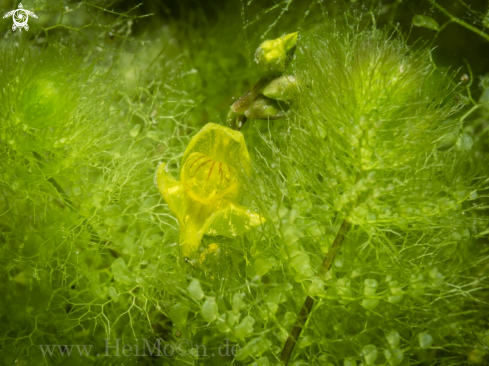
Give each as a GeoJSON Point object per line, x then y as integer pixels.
{"type": "Point", "coordinates": [215, 165]}
{"type": "Point", "coordinates": [207, 180]}
{"type": "Point", "coordinates": [221, 144]}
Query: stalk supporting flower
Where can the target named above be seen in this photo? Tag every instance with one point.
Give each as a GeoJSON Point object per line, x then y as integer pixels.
{"type": "Point", "coordinates": [270, 97]}
{"type": "Point", "coordinates": [309, 302]}
{"type": "Point", "coordinates": [215, 166]}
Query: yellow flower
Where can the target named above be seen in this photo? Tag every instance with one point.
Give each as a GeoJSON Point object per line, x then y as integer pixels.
{"type": "Point", "coordinates": [205, 200]}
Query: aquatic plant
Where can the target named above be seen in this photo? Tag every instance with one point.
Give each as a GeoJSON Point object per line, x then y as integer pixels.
{"type": "Point", "coordinates": [352, 230]}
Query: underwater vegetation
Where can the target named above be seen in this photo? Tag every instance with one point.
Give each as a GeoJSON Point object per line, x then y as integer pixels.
{"type": "Point", "coordinates": [245, 183]}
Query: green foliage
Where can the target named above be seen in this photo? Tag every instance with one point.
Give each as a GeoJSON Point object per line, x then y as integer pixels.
{"type": "Point", "coordinates": [367, 125]}
{"type": "Point", "coordinates": [377, 135]}
{"type": "Point", "coordinates": [75, 202]}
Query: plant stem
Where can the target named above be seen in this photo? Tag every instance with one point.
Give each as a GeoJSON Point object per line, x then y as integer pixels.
{"type": "Point", "coordinates": [65, 199]}
{"type": "Point", "coordinates": [306, 308]}
{"type": "Point", "coordinates": [459, 21]}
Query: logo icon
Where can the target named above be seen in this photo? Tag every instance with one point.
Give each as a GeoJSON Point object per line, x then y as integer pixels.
{"type": "Point", "coordinates": [20, 17]}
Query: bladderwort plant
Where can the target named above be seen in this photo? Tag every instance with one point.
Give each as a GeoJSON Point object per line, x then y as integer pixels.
{"type": "Point", "coordinates": [378, 117]}
{"type": "Point", "coordinates": [371, 149]}
{"type": "Point", "coordinates": [74, 203]}
{"type": "Point", "coordinates": [365, 157]}
{"type": "Point", "coordinates": [369, 141]}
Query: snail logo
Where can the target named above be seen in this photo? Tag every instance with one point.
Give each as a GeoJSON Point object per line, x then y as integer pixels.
{"type": "Point", "coordinates": [20, 17]}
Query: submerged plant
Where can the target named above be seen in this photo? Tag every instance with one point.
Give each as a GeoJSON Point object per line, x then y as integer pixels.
{"type": "Point", "coordinates": [374, 115]}
{"type": "Point", "coordinates": [361, 154]}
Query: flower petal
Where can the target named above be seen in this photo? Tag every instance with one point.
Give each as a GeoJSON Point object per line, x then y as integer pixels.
{"type": "Point", "coordinates": [206, 180]}
{"type": "Point", "coordinates": [172, 191]}
{"type": "Point", "coordinates": [221, 144]}
{"type": "Point", "coordinates": [232, 220]}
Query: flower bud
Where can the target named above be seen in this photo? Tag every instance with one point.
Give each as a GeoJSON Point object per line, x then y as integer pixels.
{"type": "Point", "coordinates": [264, 108]}
{"type": "Point", "coordinates": [272, 54]}
{"type": "Point", "coordinates": [283, 88]}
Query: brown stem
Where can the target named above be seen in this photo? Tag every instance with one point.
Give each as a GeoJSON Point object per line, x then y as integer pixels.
{"type": "Point", "coordinates": [307, 307]}
{"type": "Point", "coordinates": [241, 105]}
{"type": "Point", "coordinates": [236, 116]}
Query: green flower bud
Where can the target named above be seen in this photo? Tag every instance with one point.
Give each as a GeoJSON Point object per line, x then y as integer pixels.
{"type": "Point", "coordinates": [272, 54]}
{"type": "Point", "coordinates": [283, 88]}
{"type": "Point", "coordinates": [264, 108]}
